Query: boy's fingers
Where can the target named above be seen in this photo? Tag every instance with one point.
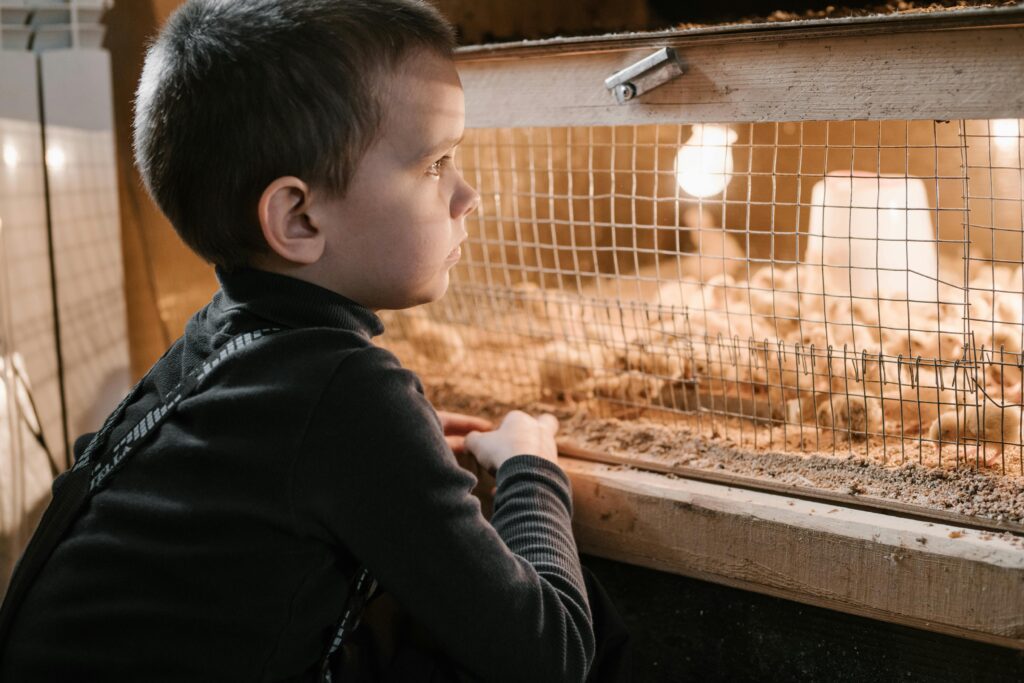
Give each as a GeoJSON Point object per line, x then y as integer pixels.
{"type": "Point", "coordinates": [457, 423]}
{"type": "Point", "coordinates": [549, 422]}
{"type": "Point", "coordinates": [514, 416]}
{"type": "Point", "coordinates": [456, 443]}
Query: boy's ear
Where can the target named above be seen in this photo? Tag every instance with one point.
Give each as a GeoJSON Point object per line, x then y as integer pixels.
{"type": "Point", "coordinates": [284, 220]}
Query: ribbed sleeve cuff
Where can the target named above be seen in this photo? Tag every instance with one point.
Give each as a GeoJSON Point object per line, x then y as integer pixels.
{"type": "Point", "coordinates": [533, 469]}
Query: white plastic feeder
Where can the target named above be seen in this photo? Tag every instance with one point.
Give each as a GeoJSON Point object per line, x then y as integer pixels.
{"type": "Point", "coordinates": [872, 235]}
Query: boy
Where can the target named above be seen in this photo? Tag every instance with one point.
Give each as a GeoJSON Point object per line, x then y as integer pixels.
{"type": "Point", "coordinates": [305, 148]}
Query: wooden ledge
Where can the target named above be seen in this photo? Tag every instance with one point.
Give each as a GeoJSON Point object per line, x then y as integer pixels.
{"type": "Point", "coordinates": [943, 75]}
{"type": "Point", "coordinates": [937, 577]}
{"type": "Point", "coordinates": [950, 19]}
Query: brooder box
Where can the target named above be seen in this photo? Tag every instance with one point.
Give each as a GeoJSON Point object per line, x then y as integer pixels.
{"type": "Point", "coordinates": [770, 278]}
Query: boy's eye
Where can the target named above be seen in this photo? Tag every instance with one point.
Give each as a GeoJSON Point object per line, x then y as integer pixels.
{"type": "Point", "coordinates": [435, 168]}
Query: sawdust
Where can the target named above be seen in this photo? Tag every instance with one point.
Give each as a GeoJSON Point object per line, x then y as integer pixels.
{"type": "Point", "coordinates": [960, 487]}
{"type": "Point", "coordinates": [837, 12]}
{"type": "Point", "coordinates": [965, 491]}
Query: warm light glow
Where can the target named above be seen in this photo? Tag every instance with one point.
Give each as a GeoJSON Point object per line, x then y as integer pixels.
{"type": "Point", "coordinates": [20, 383]}
{"type": "Point", "coordinates": [55, 157]}
{"type": "Point", "coordinates": [704, 164]}
{"type": "Point", "coordinates": [11, 156]}
{"type": "Point", "coordinates": [1005, 133]}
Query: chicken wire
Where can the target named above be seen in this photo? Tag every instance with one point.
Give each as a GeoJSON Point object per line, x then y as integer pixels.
{"type": "Point", "coordinates": [831, 287]}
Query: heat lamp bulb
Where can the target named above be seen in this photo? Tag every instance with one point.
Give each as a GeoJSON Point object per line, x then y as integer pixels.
{"type": "Point", "coordinates": [1005, 133]}
{"type": "Point", "coordinates": [704, 164]}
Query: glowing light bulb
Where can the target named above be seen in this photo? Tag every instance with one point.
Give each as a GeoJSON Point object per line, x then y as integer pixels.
{"type": "Point", "coordinates": [704, 163]}
{"type": "Point", "coordinates": [11, 156]}
{"type": "Point", "coordinates": [1005, 132]}
{"type": "Point", "coordinates": [55, 157]}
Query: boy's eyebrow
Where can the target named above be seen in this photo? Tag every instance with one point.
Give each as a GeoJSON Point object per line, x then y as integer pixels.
{"type": "Point", "coordinates": [449, 143]}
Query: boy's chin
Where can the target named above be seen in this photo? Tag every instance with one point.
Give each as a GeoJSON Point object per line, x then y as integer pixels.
{"type": "Point", "coordinates": [439, 292]}
{"type": "Point", "coordinates": [424, 297]}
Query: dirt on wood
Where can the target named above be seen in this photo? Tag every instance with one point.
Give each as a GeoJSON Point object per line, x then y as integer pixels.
{"type": "Point", "coordinates": [837, 12]}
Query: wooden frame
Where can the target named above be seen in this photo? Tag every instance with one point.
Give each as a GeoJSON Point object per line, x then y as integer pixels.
{"type": "Point", "coordinates": [949, 65]}
{"type": "Point", "coordinates": [939, 577]}
{"type": "Point", "coordinates": [967, 64]}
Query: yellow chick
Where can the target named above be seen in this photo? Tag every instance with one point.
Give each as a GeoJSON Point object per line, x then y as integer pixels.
{"type": "Point", "coordinates": [856, 416]}
{"type": "Point", "coordinates": [630, 386]}
{"type": "Point", "coordinates": [988, 423]}
{"type": "Point", "coordinates": [564, 370]}
{"type": "Point", "coordinates": [653, 359]}
{"type": "Point", "coordinates": [435, 341]}
{"type": "Point", "coordinates": [911, 409]}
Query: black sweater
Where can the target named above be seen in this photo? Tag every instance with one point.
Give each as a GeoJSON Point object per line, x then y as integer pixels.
{"type": "Point", "coordinates": [224, 549]}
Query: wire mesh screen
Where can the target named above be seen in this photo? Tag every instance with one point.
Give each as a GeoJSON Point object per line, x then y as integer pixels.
{"type": "Point", "coordinates": [817, 286]}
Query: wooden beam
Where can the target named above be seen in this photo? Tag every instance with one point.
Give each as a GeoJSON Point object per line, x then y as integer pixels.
{"type": "Point", "coordinates": [164, 281]}
{"type": "Point", "coordinates": [968, 73]}
{"type": "Point", "coordinates": [937, 577]}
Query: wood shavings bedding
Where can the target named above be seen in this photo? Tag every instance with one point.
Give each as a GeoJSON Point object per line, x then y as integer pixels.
{"type": "Point", "coordinates": [866, 470]}
{"type": "Point", "coordinates": [837, 12]}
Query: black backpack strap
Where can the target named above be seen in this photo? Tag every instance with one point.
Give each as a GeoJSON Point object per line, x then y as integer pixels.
{"type": "Point", "coordinates": [91, 471]}
{"type": "Point", "coordinates": [359, 593]}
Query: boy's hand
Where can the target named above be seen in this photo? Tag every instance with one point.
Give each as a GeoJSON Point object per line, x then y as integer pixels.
{"type": "Point", "coordinates": [456, 426]}
{"type": "Point", "coordinates": [519, 434]}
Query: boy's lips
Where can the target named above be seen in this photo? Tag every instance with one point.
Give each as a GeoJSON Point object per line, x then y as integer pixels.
{"type": "Point", "coordinates": [456, 253]}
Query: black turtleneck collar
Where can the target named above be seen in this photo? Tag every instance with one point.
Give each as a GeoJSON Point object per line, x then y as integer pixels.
{"type": "Point", "coordinates": [290, 302]}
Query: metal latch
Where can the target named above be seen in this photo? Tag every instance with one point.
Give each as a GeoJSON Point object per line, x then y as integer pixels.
{"type": "Point", "coordinates": [645, 75]}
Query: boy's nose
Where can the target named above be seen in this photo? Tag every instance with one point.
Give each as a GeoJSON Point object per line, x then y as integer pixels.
{"type": "Point", "coordinates": [465, 201]}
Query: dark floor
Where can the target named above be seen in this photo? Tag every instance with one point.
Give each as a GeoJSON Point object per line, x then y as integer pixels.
{"type": "Point", "coordinates": [689, 630]}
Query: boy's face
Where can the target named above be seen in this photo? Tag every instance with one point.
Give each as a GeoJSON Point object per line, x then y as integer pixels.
{"type": "Point", "coordinates": [393, 237]}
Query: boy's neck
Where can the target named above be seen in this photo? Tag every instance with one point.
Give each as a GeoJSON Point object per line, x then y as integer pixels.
{"type": "Point", "coordinates": [311, 273]}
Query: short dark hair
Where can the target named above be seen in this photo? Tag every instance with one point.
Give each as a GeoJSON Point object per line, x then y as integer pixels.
{"type": "Point", "coordinates": [236, 93]}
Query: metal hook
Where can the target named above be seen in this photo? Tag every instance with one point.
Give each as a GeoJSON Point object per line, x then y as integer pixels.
{"type": "Point", "coordinates": [647, 74]}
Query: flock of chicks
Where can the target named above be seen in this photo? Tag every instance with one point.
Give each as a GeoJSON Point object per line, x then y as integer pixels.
{"type": "Point", "coordinates": [776, 348]}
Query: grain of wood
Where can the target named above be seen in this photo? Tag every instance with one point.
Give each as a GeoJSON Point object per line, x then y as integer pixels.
{"type": "Point", "coordinates": [933, 576]}
{"type": "Point", "coordinates": [959, 74]}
